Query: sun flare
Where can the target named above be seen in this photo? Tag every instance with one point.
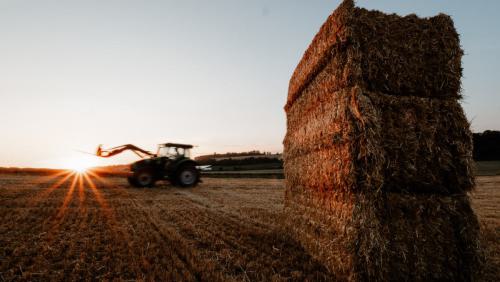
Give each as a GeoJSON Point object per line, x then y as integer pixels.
{"type": "Point", "coordinates": [79, 168]}
{"type": "Point", "coordinates": [79, 165]}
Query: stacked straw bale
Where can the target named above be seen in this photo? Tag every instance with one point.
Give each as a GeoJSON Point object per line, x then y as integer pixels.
{"type": "Point", "coordinates": [378, 151]}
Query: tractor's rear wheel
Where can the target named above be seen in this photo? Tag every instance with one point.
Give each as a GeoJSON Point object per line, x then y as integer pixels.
{"type": "Point", "coordinates": [143, 178]}
{"type": "Point", "coordinates": [132, 181]}
{"type": "Point", "coordinates": [187, 176]}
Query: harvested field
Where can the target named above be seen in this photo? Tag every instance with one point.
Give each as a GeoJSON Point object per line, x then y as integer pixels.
{"type": "Point", "coordinates": [223, 230]}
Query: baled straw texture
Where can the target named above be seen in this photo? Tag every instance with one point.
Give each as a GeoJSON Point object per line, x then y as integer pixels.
{"type": "Point", "coordinates": [388, 237]}
{"type": "Point", "coordinates": [397, 144]}
{"type": "Point", "coordinates": [378, 150]}
{"type": "Point", "coordinates": [384, 53]}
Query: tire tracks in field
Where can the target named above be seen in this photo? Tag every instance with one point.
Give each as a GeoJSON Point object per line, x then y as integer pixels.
{"type": "Point", "coordinates": [166, 243]}
{"type": "Point", "coordinates": [206, 202]}
{"type": "Point", "coordinates": [233, 248]}
{"type": "Point", "coordinates": [199, 264]}
{"type": "Point", "coordinates": [248, 244]}
{"type": "Point", "coordinates": [175, 231]}
{"type": "Point", "coordinates": [242, 239]}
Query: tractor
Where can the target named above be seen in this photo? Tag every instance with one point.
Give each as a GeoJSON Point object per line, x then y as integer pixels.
{"type": "Point", "coordinates": [171, 162]}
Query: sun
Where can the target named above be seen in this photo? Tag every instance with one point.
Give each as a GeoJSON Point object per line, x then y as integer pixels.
{"type": "Point", "coordinates": [79, 168]}
{"type": "Point", "coordinates": [79, 165]}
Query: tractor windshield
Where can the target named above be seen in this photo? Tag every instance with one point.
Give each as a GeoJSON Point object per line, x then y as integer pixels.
{"type": "Point", "coordinates": [173, 152]}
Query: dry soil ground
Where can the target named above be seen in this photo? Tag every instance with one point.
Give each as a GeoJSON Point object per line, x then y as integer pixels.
{"type": "Point", "coordinates": [74, 227]}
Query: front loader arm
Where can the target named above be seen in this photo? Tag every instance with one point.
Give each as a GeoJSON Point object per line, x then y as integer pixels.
{"type": "Point", "coordinates": [106, 153]}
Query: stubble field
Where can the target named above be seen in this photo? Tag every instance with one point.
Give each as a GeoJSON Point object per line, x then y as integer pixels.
{"type": "Point", "coordinates": [74, 227]}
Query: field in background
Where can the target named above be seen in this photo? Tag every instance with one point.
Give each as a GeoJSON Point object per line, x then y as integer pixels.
{"type": "Point", "coordinates": [224, 229]}
{"type": "Point", "coordinates": [486, 204]}
{"type": "Point", "coordinates": [488, 168]}
{"type": "Point", "coordinates": [482, 168]}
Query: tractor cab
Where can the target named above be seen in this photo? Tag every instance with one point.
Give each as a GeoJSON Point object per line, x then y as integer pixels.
{"type": "Point", "coordinates": [174, 150]}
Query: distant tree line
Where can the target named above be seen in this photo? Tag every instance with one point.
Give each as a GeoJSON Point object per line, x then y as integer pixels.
{"type": "Point", "coordinates": [238, 162]}
{"type": "Point", "coordinates": [231, 154]}
{"type": "Point", "coordinates": [487, 146]}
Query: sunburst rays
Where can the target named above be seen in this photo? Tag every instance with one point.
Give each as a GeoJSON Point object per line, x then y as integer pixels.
{"type": "Point", "coordinates": [80, 195]}
{"type": "Point", "coordinates": [65, 176]}
{"type": "Point", "coordinates": [98, 196]}
{"type": "Point", "coordinates": [73, 183]}
{"type": "Point", "coordinates": [68, 197]}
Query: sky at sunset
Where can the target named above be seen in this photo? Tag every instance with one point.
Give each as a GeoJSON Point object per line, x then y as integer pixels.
{"type": "Point", "coordinates": [75, 74]}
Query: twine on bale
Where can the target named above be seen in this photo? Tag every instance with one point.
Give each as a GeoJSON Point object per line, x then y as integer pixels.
{"type": "Point", "coordinates": [378, 151]}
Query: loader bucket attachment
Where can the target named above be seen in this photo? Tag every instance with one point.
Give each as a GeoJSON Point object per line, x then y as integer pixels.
{"type": "Point", "coordinates": [99, 150]}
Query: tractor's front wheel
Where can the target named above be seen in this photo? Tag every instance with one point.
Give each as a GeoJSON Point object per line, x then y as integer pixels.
{"type": "Point", "coordinates": [142, 178]}
{"type": "Point", "coordinates": [187, 176]}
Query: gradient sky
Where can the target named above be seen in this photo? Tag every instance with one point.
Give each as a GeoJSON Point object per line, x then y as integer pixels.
{"type": "Point", "coordinates": [75, 74]}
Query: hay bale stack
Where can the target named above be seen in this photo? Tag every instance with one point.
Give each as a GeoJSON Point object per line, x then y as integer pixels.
{"type": "Point", "coordinates": [378, 150]}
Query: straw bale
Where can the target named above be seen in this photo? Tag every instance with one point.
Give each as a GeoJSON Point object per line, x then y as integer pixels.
{"type": "Point", "coordinates": [325, 232]}
{"type": "Point", "coordinates": [391, 143]}
{"type": "Point", "coordinates": [384, 53]}
{"type": "Point", "coordinates": [389, 236]}
{"type": "Point", "coordinates": [426, 143]}
{"type": "Point", "coordinates": [378, 151]}
{"type": "Point", "coordinates": [334, 32]}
